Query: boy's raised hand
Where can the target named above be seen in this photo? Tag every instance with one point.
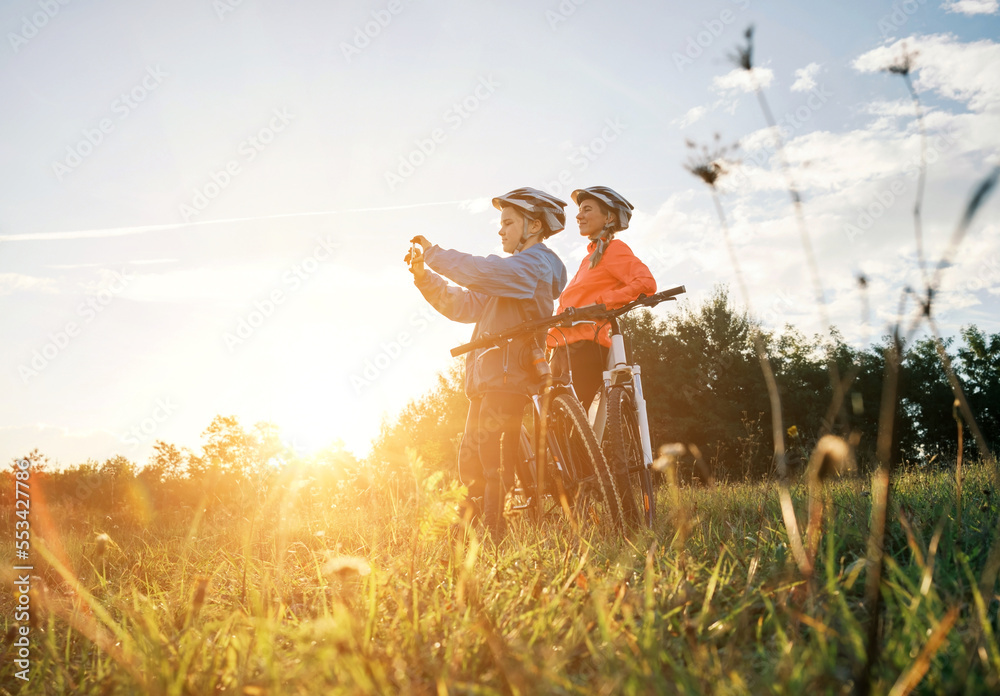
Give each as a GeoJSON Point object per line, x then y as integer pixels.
{"type": "Point", "coordinates": [415, 259]}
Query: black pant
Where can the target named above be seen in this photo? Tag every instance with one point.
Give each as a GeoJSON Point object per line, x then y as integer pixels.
{"type": "Point", "coordinates": [588, 361]}
{"type": "Point", "coordinates": [488, 455]}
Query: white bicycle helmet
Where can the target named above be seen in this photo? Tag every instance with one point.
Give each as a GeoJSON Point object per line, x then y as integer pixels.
{"type": "Point", "coordinates": [537, 205]}
{"type": "Point", "coordinates": [611, 199]}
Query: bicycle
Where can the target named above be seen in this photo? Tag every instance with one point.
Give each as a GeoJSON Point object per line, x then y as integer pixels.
{"type": "Point", "coordinates": [620, 421]}
{"type": "Point", "coordinates": [563, 438]}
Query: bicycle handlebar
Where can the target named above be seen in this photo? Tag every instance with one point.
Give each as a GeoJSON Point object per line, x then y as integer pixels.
{"type": "Point", "coordinates": [567, 317]}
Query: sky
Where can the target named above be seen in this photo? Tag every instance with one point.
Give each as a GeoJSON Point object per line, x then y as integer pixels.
{"type": "Point", "coordinates": [207, 202]}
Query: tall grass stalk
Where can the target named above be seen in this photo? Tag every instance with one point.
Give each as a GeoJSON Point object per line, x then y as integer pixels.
{"type": "Point", "coordinates": [710, 170]}
{"type": "Point", "coordinates": [744, 59]}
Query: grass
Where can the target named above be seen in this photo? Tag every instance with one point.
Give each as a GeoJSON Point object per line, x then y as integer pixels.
{"type": "Point", "coordinates": [374, 593]}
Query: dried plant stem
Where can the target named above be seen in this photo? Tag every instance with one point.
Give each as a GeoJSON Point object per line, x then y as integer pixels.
{"type": "Point", "coordinates": [837, 402]}
{"type": "Point", "coordinates": [979, 196]}
{"type": "Point", "coordinates": [987, 580]}
{"type": "Point", "coordinates": [909, 679]}
{"type": "Point", "coordinates": [880, 507]}
{"type": "Point", "coordinates": [963, 404]}
{"type": "Point", "coordinates": [958, 464]}
{"type": "Point", "coordinates": [541, 462]}
{"type": "Point", "coordinates": [921, 180]}
{"type": "Point", "coordinates": [777, 427]}
{"type": "Point", "coordinates": [835, 381]}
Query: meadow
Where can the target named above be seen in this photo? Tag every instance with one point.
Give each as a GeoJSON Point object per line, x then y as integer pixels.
{"type": "Point", "coordinates": [301, 589]}
{"type": "Point", "coordinates": [222, 573]}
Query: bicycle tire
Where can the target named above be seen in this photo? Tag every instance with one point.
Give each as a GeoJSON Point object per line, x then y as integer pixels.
{"type": "Point", "coordinates": [623, 449]}
{"type": "Point", "coordinates": [586, 473]}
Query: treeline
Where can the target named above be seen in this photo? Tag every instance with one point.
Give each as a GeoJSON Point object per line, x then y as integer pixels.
{"type": "Point", "coordinates": [239, 471]}
{"type": "Point", "coordinates": [704, 386]}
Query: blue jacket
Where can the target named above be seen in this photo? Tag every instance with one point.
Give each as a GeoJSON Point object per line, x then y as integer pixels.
{"type": "Point", "coordinates": [496, 292]}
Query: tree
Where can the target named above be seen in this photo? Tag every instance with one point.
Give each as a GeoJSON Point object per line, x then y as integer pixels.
{"type": "Point", "coordinates": [926, 427]}
{"type": "Point", "coordinates": [702, 379]}
{"type": "Point", "coordinates": [117, 471]}
{"type": "Point", "coordinates": [37, 461]}
{"type": "Point", "coordinates": [979, 365]}
{"type": "Point", "coordinates": [230, 449]}
{"type": "Point", "coordinates": [166, 462]}
{"type": "Point", "coordinates": [432, 425]}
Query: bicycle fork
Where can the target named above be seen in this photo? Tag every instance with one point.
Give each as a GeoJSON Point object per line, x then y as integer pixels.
{"type": "Point", "coordinates": [640, 407]}
{"type": "Point", "coordinates": [619, 372]}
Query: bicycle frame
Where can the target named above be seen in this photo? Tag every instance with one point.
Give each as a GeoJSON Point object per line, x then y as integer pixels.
{"type": "Point", "coordinates": [539, 406]}
{"type": "Point", "coordinates": [619, 372]}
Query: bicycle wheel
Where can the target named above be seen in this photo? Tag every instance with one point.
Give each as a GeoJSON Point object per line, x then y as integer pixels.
{"type": "Point", "coordinates": [585, 472]}
{"type": "Point", "coordinates": [623, 449]}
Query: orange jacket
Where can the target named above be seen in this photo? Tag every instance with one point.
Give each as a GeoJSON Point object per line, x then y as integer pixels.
{"type": "Point", "coordinates": [617, 279]}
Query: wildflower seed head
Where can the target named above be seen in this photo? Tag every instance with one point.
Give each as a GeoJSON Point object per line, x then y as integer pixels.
{"type": "Point", "coordinates": [709, 172]}
{"type": "Point", "coordinates": [200, 590]}
{"type": "Point", "coordinates": [903, 64]}
{"type": "Point", "coordinates": [710, 164]}
{"type": "Point", "coordinates": [832, 457]}
{"type": "Point", "coordinates": [744, 54]}
{"type": "Point", "coordinates": [102, 541]}
{"type": "Point", "coordinates": [668, 455]}
{"type": "Point", "coordinates": [347, 567]}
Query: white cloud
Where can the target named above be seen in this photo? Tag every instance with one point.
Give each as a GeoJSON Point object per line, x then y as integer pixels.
{"type": "Point", "coordinates": [476, 205]}
{"type": "Point", "coordinates": [740, 80]}
{"type": "Point", "coordinates": [965, 72]}
{"type": "Point", "coordinates": [972, 7]}
{"type": "Point", "coordinates": [804, 78]}
{"type": "Point", "coordinates": [883, 148]}
{"type": "Point", "coordinates": [16, 282]}
{"type": "Point", "coordinates": [693, 115]}
{"type": "Point", "coordinates": [823, 160]}
{"type": "Point", "coordinates": [899, 107]}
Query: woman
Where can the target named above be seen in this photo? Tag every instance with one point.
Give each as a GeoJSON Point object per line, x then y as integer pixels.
{"type": "Point", "coordinates": [497, 293]}
{"type": "Point", "coordinates": [610, 274]}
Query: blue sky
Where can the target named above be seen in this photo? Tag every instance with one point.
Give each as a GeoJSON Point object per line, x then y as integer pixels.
{"type": "Point", "coordinates": [207, 203]}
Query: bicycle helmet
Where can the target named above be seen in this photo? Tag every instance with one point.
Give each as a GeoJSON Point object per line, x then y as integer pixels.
{"type": "Point", "coordinates": [611, 199]}
{"type": "Point", "coordinates": [537, 205]}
